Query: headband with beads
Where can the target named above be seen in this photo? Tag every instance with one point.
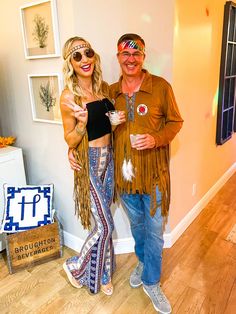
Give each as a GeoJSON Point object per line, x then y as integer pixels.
{"type": "Point", "coordinates": [73, 49]}
{"type": "Point", "coordinates": [134, 44]}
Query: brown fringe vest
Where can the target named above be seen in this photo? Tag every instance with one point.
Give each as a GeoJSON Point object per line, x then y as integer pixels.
{"type": "Point", "coordinates": [151, 169]}
{"type": "Point", "coordinates": [163, 121]}
{"type": "Point", "coordinates": [82, 182]}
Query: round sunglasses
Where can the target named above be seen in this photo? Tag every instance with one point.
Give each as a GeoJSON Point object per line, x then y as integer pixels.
{"type": "Point", "coordinates": [77, 56]}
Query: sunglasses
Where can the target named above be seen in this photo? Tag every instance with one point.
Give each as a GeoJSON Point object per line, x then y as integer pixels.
{"type": "Point", "coordinates": [77, 56]}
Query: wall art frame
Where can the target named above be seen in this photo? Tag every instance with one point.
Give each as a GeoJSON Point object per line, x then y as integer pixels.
{"type": "Point", "coordinates": [45, 91]}
{"type": "Point", "coordinates": [39, 25]}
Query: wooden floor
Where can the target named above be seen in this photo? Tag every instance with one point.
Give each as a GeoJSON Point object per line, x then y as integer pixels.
{"type": "Point", "coordinates": [199, 274]}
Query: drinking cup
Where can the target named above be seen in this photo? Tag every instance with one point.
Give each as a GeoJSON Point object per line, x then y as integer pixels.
{"type": "Point", "coordinates": [114, 117]}
{"type": "Point", "coordinates": [133, 138]}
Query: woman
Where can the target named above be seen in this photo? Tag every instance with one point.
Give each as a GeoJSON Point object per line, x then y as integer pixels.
{"type": "Point", "coordinates": [87, 130]}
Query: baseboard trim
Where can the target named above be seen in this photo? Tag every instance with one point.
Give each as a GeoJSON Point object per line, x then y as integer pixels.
{"type": "Point", "coordinates": [126, 245]}
{"type": "Point", "coordinates": [195, 211]}
{"type": "Point", "coordinates": [121, 246]}
{"type": "Point", "coordinates": [73, 242]}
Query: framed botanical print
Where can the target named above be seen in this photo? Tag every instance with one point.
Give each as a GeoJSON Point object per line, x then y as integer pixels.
{"type": "Point", "coordinates": [40, 29]}
{"type": "Point", "coordinates": [45, 90]}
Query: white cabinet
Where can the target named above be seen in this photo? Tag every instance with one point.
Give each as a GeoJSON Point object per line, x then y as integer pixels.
{"type": "Point", "coordinates": [11, 172]}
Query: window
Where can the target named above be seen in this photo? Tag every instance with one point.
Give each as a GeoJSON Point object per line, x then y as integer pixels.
{"type": "Point", "coordinates": [226, 116]}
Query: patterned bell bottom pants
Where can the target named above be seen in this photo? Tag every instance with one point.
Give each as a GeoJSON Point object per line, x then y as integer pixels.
{"type": "Point", "coordinates": [95, 264]}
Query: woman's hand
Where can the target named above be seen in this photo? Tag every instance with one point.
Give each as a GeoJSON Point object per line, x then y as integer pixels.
{"type": "Point", "coordinates": [74, 119]}
{"type": "Point", "coordinates": [122, 117]}
{"type": "Point", "coordinates": [80, 113]}
{"type": "Point", "coordinates": [73, 163]}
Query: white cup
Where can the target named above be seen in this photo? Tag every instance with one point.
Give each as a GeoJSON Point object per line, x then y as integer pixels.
{"type": "Point", "coordinates": [133, 138]}
{"type": "Point", "coordinates": [114, 117]}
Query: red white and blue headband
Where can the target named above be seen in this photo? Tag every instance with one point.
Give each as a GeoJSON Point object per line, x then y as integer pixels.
{"type": "Point", "coordinates": [134, 44]}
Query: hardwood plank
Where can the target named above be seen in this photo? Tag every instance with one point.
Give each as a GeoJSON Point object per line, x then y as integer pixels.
{"type": "Point", "coordinates": [231, 305]}
{"type": "Point", "coordinates": [16, 308]}
{"type": "Point", "coordinates": [10, 281]}
{"type": "Point", "coordinates": [17, 292]}
{"type": "Point", "coordinates": [208, 306]}
{"type": "Point", "coordinates": [232, 252]}
{"type": "Point", "coordinates": [174, 289]}
{"type": "Point", "coordinates": [37, 296]}
{"type": "Point", "coordinates": [211, 266]}
{"type": "Point", "coordinates": [128, 305]}
{"type": "Point", "coordinates": [220, 222]}
{"type": "Point", "coordinates": [190, 302]}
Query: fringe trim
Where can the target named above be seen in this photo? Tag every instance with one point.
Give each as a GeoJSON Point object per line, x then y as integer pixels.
{"type": "Point", "coordinates": [151, 169]}
{"type": "Point", "coordinates": [82, 183]}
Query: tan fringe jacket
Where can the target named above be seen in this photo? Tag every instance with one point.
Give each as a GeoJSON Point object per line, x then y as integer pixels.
{"type": "Point", "coordinates": [163, 122]}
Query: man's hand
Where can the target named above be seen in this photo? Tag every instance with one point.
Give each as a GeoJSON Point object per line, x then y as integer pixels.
{"type": "Point", "coordinates": [144, 141]}
{"type": "Point", "coordinates": [73, 163]}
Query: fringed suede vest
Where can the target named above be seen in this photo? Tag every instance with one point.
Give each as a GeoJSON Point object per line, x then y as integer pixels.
{"type": "Point", "coordinates": [82, 182]}
{"type": "Point", "coordinates": [151, 168]}
{"type": "Point", "coordinates": [155, 112]}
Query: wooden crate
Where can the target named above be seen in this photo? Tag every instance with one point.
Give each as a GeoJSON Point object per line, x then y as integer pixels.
{"type": "Point", "coordinates": [32, 247]}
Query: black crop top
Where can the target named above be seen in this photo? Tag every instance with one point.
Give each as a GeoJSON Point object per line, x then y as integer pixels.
{"type": "Point", "coordinates": [98, 123]}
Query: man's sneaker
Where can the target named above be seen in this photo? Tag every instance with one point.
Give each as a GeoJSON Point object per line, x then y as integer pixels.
{"type": "Point", "coordinates": [135, 277]}
{"type": "Point", "coordinates": [159, 300]}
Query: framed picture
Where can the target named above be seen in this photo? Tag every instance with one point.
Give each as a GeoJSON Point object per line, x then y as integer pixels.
{"type": "Point", "coordinates": [40, 29]}
{"type": "Point", "coordinates": [45, 90]}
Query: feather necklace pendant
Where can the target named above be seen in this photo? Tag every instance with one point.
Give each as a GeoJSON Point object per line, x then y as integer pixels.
{"type": "Point", "coordinates": [128, 170]}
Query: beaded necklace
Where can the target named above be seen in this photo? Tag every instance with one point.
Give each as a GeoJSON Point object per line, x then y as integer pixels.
{"type": "Point", "coordinates": [130, 101]}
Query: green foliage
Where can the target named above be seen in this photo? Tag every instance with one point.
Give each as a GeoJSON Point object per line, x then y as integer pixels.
{"type": "Point", "coordinates": [40, 32]}
{"type": "Point", "coordinates": [46, 96]}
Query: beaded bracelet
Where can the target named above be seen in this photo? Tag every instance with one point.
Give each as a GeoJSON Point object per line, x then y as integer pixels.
{"type": "Point", "coordinates": [79, 131]}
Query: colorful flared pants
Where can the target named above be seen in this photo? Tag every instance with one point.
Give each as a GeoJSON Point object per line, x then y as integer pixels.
{"type": "Point", "coordinates": [95, 263]}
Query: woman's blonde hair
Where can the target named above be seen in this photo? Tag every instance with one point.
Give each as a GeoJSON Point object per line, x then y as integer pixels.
{"type": "Point", "coordinates": [70, 78]}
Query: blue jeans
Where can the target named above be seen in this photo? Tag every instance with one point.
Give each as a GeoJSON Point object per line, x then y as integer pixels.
{"type": "Point", "coordinates": [147, 232]}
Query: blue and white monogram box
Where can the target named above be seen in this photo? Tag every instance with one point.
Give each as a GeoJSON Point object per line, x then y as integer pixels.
{"type": "Point", "coordinates": [27, 207]}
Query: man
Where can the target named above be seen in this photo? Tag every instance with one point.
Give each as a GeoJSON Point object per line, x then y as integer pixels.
{"type": "Point", "coordinates": [142, 168]}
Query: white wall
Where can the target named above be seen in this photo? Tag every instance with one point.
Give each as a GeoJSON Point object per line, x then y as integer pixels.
{"type": "Point", "coordinates": [102, 22]}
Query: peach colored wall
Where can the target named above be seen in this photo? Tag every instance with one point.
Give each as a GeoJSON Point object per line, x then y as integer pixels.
{"type": "Point", "coordinates": [196, 62]}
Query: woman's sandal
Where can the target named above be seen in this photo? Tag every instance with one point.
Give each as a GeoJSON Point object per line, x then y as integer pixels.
{"type": "Point", "coordinates": [71, 279]}
{"type": "Point", "coordinates": [107, 289]}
